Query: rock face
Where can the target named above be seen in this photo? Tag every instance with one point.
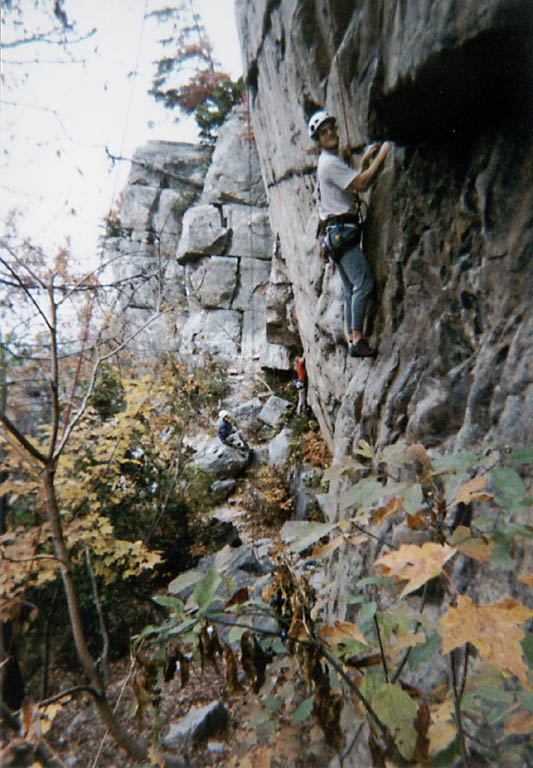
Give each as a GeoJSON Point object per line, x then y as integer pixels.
{"type": "Point", "coordinates": [204, 246]}
{"type": "Point", "coordinates": [449, 233]}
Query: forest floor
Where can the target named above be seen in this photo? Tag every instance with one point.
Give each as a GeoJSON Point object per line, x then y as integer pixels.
{"type": "Point", "coordinates": [261, 732]}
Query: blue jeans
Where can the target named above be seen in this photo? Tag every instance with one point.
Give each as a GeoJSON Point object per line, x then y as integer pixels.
{"type": "Point", "coordinates": [358, 284]}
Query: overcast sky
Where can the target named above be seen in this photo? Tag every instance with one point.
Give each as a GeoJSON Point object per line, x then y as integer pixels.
{"type": "Point", "coordinates": [57, 119]}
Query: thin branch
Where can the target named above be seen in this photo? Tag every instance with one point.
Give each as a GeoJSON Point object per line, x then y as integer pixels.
{"type": "Point", "coordinates": [81, 410]}
{"type": "Point", "coordinates": [20, 441]}
{"type": "Point", "coordinates": [457, 707]}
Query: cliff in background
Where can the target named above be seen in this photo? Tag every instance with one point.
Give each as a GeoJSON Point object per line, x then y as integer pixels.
{"type": "Point", "coordinates": [449, 234]}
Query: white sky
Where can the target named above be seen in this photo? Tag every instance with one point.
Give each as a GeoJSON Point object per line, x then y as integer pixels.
{"type": "Point", "coordinates": [54, 168]}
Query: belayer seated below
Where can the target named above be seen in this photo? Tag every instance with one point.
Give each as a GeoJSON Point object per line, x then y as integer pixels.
{"type": "Point", "coordinates": [227, 432]}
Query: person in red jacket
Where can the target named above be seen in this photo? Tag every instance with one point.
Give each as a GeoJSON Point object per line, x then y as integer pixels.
{"type": "Point", "coordinates": [300, 383]}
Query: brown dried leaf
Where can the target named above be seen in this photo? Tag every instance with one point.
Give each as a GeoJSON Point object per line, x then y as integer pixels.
{"type": "Point", "coordinates": [341, 631]}
{"type": "Point", "coordinates": [327, 708]}
{"type": "Point", "coordinates": [233, 684]}
{"type": "Point", "coordinates": [471, 490]}
{"type": "Point", "coordinates": [414, 564]}
{"type": "Point", "coordinates": [238, 597]}
{"type": "Point", "coordinates": [493, 629]}
{"type": "Point", "coordinates": [247, 657]}
{"type": "Point", "coordinates": [327, 549]}
{"type": "Point", "coordinates": [392, 506]}
{"type": "Point", "coordinates": [417, 451]}
{"type": "Point", "coordinates": [478, 548]}
{"type": "Point", "coordinates": [415, 522]}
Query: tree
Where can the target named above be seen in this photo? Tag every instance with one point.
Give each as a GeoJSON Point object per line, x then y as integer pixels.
{"type": "Point", "coordinates": [189, 78]}
{"type": "Point", "coordinates": [45, 291]}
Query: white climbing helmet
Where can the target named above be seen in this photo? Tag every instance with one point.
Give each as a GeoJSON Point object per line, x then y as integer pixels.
{"type": "Point", "coordinates": [223, 414]}
{"type": "Point", "coordinates": [318, 119]}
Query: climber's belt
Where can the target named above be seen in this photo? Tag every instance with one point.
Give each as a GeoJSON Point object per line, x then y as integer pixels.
{"type": "Point", "coordinates": [342, 218]}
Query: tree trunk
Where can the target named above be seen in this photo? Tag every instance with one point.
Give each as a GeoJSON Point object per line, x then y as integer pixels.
{"type": "Point", "coordinates": [136, 750]}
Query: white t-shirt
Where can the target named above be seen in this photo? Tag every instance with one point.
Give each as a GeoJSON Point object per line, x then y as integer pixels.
{"type": "Point", "coordinates": [334, 178]}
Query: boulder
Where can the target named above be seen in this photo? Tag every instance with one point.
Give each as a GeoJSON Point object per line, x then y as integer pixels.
{"type": "Point", "coordinates": [274, 410]}
{"type": "Point", "coordinates": [200, 724]}
{"type": "Point", "coordinates": [222, 460]}
{"type": "Point", "coordinates": [279, 448]}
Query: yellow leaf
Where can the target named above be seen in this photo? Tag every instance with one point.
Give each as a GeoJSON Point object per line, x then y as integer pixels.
{"type": "Point", "coordinates": [471, 490]}
{"type": "Point", "coordinates": [527, 578]}
{"type": "Point", "coordinates": [414, 564]}
{"type": "Point", "coordinates": [327, 549]}
{"type": "Point", "coordinates": [472, 546]}
{"type": "Point", "coordinates": [493, 629]}
{"type": "Point", "coordinates": [519, 722]}
{"type": "Point", "coordinates": [341, 631]}
{"type": "Point", "coordinates": [440, 735]}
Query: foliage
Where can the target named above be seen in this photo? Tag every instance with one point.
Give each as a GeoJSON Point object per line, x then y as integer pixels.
{"type": "Point", "coordinates": [307, 446]}
{"type": "Point", "coordinates": [383, 661]}
{"type": "Point", "coordinates": [189, 78]}
{"type": "Point", "coordinates": [267, 496]}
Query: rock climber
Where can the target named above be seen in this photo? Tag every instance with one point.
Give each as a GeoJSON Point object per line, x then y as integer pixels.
{"type": "Point", "coordinates": [338, 187]}
{"type": "Point", "coordinates": [300, 383]}
{"type": "Point", "coordinates": [227, 432]}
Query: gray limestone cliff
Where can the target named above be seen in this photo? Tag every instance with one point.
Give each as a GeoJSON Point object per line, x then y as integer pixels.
{"type": "Point", "coordinates": [449, 234]}
{"type": "Point", "coordinates": [194, 235]}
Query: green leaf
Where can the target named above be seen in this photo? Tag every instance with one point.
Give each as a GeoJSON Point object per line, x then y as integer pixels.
{"type": "Point", "coordinates": [235, 635]}
{"type": "Point", "coordinates": [522, 456]}
{"type": "Point", "coordinates": [206, 589]}
{"type": "Point", "coordinates": [398, 711]}
{"type": "Point", "coordinates": [362, 495]}
{"type": "Point", "coordinates": [368, 611]}
{"type": "Point", "coordinates": [455, 463]}
{"type": "Point", "coordinates": [483, 523]}
{"type": "Point", "coordinates": [300, 535]}
{"type": "Point", "coordinates": [354, 599]}
{"type": "Point", "coordinates": [420, 654]}
{"type": "Point", "coordinates": [183, 581]}
{"type": "Point", "coordinates": [174, 603]}
{"type": "Point", "coordinates": [525, 698]}
{"type": "Point", "coordinates": [508, 481]}
{"type": "Point", "coordinates": [272, 704]}
{"type": "Point", "coordinates": [412, 497]}
{"type": "Point", "coordinates": [527, 647]}
{"type": "Point", "coordinates": [375, 580]}
{"type": "Point", "coordinates": [495, 694]}
{"type": "Point", "coordinates": [303, 711]}
{"type": "Point", "coordinates": [500, 557]}
{"type": "Point", "coordinates": [447, 756]}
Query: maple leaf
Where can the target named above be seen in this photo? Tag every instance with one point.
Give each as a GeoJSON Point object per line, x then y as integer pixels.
{"type": "Point", "coordinates": [493, 629]}
{"type": "Point", "coordinates": [414, 564]}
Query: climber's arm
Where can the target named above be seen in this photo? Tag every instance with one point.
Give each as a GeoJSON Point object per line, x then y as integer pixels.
{"type": "Point", "coordinates": [365, 178]}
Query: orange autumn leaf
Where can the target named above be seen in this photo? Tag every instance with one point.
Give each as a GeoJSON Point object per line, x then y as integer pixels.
{"type": "Point", "coordinates": [382, 513]}
{"type": "Point", "coordinates": [493, 629]}
{"type": "Point", "coordinates": [414, 564]}
{"type": "Point", "coordinates": [520, 722]}
{"type": "Point", "coordinates": [341, 631]}
{"type": "Point", "coordinates": [526, 578]}
{"type": "Point", "coordinates": [415, 522]}
{"type": "Point", "coordinates": [471, 490]}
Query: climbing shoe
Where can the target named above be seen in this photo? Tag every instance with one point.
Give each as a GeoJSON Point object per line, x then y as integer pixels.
{"type": "Point", "coordinates": [361, 349]}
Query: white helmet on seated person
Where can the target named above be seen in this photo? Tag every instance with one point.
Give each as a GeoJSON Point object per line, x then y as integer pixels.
{"type": "Point", "coordinates": [318, 119]}
{"type": "Point", "coordinates": [224, 415]}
